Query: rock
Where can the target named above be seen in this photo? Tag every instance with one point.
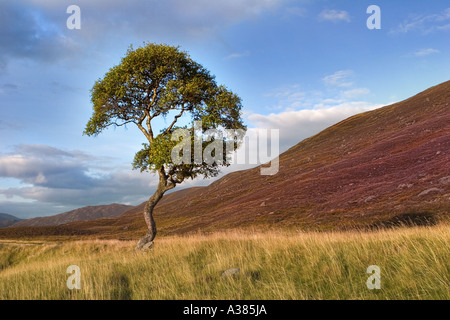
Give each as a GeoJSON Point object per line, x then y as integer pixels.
{"type": "Point", "coordinates": [428, 191]}
{"type": "Point", "coordinates": [444, 180]}
{"type": "Point", "coordinates": [369, 198]}
{"type": "Point", "coordinates": [263, 204]}
{"type": "Point", "coordinates": [230, 272]}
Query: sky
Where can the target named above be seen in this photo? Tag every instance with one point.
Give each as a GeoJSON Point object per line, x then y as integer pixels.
{"type": "Point", "coordinates": [299, 66]}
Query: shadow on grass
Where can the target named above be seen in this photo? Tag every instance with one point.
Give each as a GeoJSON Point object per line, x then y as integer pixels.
{"type": "Point", "coordinates": [120, 286]}
{"type": "Point", "coordinates": [412, 219]}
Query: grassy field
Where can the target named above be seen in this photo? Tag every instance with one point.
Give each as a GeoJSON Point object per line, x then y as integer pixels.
{"type": "Point", "coordinates": [414, 264]}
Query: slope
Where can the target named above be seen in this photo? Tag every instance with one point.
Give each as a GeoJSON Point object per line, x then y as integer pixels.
{"type": "Point", "coordinates": [81, 214]}
{"type": "Point", "coordinates": [386, 166]}
{"type": "Point", "coordinates": [6, 220]}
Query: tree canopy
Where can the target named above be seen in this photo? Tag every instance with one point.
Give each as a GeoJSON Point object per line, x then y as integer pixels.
{"type": "Point", "coordinates": [162, 81]}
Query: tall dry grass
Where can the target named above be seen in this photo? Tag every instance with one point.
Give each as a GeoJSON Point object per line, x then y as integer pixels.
{"type": "Point", "coordinates": [414, 264]}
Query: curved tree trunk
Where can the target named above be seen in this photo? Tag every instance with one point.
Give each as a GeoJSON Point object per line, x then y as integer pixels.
{"type": "Point", "coordinates": [147, 241]}
{"type": "Point", "coordinates": [148, 216]}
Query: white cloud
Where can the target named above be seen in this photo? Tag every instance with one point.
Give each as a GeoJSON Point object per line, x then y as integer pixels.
{"type": "Point", "coordinates": [231, 9]}
{"type": "Point", "coordinates": [340, 89]}
{"type": "Point", "coordinates": [334, 15]}
{"type": "Point", "coordinates": [425, 52]}
{"type": "Point", "coordinates": [26, 33]}
{"type": "Point", "coordinates": [37, 30]}
{"type": "Point", "coordinates": [425, 23]}
{"type": "Point", "coordinates": [298, 125]}
{"type": "Point", "coordinates": [238, 55]}
{"type": "Point", "coordinates": [355, 93]}
{"type": "Point", "coordinates": [292, 97]}
{"type": "Point", "coordinates": [58, 177]}
{"type": "Point", "coordinates": [307, 113]}
{"type": "Point", "coordinates": [194, 17]}
{"type": "Point", "coordinates": [53, 181]}
{"type": "Point", "coordinates": [339, 78]}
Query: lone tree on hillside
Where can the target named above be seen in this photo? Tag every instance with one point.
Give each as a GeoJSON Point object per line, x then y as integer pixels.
{"type": "Point", "coordinates": [161, 81]}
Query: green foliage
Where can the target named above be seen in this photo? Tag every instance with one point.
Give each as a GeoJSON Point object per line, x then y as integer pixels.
{"type": "Point", "coordinates": [159, 80]}
{"type": "Point", "coordinates": [155, 155]}
{"type": "Point", "coordinates": [159, 154]}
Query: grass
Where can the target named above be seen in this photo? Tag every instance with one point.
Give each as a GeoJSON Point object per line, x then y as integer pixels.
{"type": "Point", "coordinates": [414, 264]}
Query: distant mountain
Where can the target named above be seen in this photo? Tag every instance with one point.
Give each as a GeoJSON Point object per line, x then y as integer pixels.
{"type": "Point", "coordinates": [6, 220]}
{"type": "Point", "coordinates": [381, 167]}
{"type": "Point", "coordinates": [378, 168]}
{"type": "Point", "coordinates": [82, 214]}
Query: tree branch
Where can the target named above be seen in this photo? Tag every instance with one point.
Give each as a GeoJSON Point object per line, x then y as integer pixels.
{"type": "Point", "coordinates": [170, 186]}
{"type": "Point", "coordinates": [120, 124]}
{"type": "Point", "coordinates": [175, 121]}
{"type": "Point", "coordinates": [157, 113]}
{"type": "Point", "coordinates": [173, 181]}
{"type": "Point", "coordinates": [153, 97]}
{"type": "Point", "coordinates": [149, 126]}
{"type": "Point", "coordinates": [166, 179]}
{"type": "Point", "coordinates": [146, 134]}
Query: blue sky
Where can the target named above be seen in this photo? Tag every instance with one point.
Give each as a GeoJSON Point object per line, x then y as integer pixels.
{"type": "Point", "coordinates": [299, 66]}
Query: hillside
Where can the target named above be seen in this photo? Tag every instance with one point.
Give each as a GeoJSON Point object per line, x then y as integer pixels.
{"type": "Point", "coordinates": [82, 214]}
{"type": "Point", "coordinates": [377, 168]}
{"type": "Point", "coordinates": [6, 220]}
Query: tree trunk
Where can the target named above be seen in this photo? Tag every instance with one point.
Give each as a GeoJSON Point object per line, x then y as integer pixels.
{"type": "Point", "coordinates": [147, 241]}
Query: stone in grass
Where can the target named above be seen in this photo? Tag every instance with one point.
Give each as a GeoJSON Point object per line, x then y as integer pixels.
{"type": "Point", "coordinates": [230, 272]}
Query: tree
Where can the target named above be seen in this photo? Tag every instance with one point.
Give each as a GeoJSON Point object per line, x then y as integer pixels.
{"type": "Point", "coordinates": [157, 81]}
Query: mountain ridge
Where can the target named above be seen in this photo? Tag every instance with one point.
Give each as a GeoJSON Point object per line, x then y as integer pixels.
{"type": "Point", "coordinates": [81, 214]}
{"type": "Point", "coordinates": [7, 219]}
{"type": "Point", "coordinates": [375, 168]}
